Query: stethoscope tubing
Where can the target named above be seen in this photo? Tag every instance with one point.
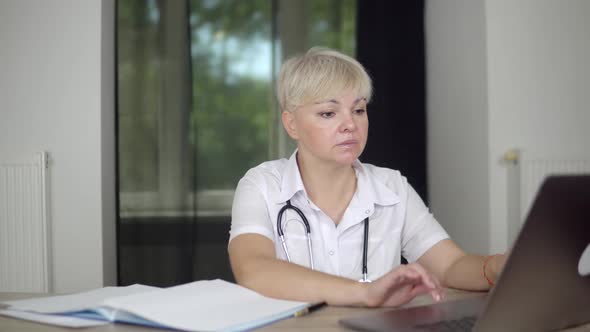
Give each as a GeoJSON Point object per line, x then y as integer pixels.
{"type": "Point", "coordinates": [307, 231]}
{"type": "Point", "coordinates": [308, 236]}
{"type": "Point", "coordinates": [365, 249]}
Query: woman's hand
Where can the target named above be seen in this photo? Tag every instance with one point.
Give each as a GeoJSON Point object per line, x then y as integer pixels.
{"type": "Point", "coordinates": [401, 285]}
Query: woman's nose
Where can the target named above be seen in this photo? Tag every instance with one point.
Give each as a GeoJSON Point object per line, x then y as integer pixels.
{"type": "Point", "coordinates": [348, 123]}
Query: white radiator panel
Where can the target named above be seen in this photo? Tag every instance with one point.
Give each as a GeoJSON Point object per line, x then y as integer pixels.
{"type": "Point", "coordinates": [534, 171]}
{"type": "Point", "coordinates": [525, 176]}
{"type": "Point", "coordinates": [24, 226]}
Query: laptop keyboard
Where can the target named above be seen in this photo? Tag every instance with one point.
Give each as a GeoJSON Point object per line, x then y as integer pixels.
{"type": "Point", "coordinates": [463, 324]}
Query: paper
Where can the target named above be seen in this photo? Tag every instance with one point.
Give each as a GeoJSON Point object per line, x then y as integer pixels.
{"type": "Point", "coordinates": [60, 320]}
{"type": "Point", "coordinates": [78, 301]}
{"type": "Point", "coordinates": [208, 305]}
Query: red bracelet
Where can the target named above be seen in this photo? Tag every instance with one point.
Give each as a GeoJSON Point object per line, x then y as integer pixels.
{"type": "Point", "coordinates": [485, 263]}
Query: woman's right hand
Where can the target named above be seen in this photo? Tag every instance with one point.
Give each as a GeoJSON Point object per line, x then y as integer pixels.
{"type": "Point", "coordinates": [402, 284]}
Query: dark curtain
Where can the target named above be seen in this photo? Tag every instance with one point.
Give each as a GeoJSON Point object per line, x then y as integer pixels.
{"type": "Point", "coordinates": [390, 44]}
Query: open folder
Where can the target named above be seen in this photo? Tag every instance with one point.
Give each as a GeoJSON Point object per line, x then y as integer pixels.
{"type": "Point", "coordinates": [208, 305]}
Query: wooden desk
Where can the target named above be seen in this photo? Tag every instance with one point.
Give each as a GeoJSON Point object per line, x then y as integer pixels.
{"type": "Point", "coordinates": [325, 319]}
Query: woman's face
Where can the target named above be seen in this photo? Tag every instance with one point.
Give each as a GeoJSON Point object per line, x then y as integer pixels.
{"type": "Point", "coordinates": [332, 130]}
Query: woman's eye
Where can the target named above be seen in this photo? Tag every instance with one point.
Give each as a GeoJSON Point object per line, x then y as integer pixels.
{"type": "Point", "coordinates": [327, 115]}
{"type": "Point", "coordinates": [359, 111]}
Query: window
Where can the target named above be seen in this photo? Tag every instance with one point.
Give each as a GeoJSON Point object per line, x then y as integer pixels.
{"type": "Point", "coordinates": [196, 105]}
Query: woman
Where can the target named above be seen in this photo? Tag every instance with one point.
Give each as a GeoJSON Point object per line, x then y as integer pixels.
{"type": "Point", "coordinates": [323, 96]}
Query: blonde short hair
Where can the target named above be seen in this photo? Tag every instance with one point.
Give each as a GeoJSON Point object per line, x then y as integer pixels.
{"type": "Point", "coordinates": [319, 74]}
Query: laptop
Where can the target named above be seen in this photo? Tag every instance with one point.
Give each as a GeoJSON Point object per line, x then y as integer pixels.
{"type": "Point", "coordinates": [545, 284]}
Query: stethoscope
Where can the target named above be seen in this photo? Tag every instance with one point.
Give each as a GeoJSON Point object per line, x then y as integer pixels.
{"type": "Point", "coordinates": [308, 236]}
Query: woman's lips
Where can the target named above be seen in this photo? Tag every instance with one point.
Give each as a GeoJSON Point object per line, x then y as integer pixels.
{"type": "Point", "coordinates": [348, 142]}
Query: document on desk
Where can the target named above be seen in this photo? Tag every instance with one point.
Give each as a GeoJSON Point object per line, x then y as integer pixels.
{"type": "Point", "coordinates": [207, 305]}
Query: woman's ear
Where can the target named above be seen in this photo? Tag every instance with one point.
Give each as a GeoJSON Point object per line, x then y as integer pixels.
{"type": "Point", "coordinates": [289, 124]}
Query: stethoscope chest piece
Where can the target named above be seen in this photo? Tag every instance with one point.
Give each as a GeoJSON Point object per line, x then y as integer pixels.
{"type": "Point", "coordinates": [365, 279]}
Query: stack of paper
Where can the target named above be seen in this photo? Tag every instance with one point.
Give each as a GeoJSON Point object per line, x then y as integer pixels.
{"type": "Point", "coordinates": [209, 305]}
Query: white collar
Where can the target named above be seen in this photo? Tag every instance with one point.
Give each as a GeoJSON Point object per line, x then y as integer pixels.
{"type": "Point", "coordinates": [370, 190]}
{"type": "Point", "coordinates": [291, 182]}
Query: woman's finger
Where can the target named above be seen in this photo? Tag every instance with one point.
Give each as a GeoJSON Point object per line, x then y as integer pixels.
{"type": "Point", "coordinates": [436, 290]}
{"type": "Point", "coordinates": [428, 278]}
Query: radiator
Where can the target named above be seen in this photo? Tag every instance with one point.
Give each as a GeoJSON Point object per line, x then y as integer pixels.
{"type": "Point", "coordinates": [24, 225]}
{"type": "Point", "coordinates": [525, 176]}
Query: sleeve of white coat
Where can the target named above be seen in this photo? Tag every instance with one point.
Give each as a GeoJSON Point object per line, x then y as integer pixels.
{"type": "Point", "coordinates": [421, 231]}
{"type": "Point", "coordinates": [250, 212]}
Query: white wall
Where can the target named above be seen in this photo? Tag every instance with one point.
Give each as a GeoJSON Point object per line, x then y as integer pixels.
{"type": "Point", "coordinates": [457, 119]}
{"type": "Point", "coordinates": [57, 95]}
{"type": "Point", "coordinates": [535, 73]}
{"type": "Point", "coordinates": [539, 87]}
